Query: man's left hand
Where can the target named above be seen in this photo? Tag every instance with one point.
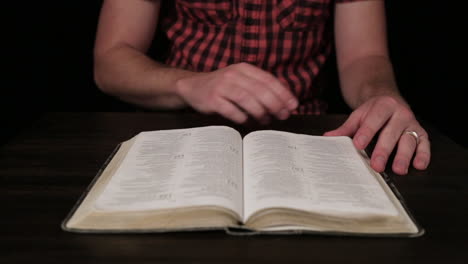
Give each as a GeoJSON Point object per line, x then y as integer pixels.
{"type": "Point", "coordinates": [392, 118]}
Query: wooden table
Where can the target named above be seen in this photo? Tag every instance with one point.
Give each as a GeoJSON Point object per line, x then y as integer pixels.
{"type": "Point", "coordinates": [45, 169]}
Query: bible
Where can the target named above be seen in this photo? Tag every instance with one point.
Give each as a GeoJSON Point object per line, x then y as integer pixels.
{"type": "Point", "coordinates": [271, 182]}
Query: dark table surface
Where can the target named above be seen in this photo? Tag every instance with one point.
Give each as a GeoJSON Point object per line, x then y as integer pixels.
{"type": "Point", "coordinates": [45, 169]}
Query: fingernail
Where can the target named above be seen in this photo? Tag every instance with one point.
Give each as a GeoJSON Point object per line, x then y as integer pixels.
{"type": "Point", "coordinates": [292, 104]}
{"type": "Point", "coordinates": [421, 163]}
{"type": "Point", "coordinates": [424, 164]}
{"type": "Point", "coordinates": [380, 160]}
{"type": "Point", "coordinates": [402, 166]}
{"type": "Point", "coordinates": [362, 141]}
{"type": "Point", "coordinates": [283, 114]}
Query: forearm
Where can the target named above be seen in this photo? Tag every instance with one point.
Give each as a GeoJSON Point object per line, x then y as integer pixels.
{"type": "Point", "coordinates": [368, 77]}
{"type": "Point", "coordinates": [129, 74]}
{"type": "Point", "coordinates": [369, 87]}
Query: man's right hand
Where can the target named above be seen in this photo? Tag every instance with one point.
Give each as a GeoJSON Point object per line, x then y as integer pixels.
{"type": "Point", "coordinates": [236, 92]}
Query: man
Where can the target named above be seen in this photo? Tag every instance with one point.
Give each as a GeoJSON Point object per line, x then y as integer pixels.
{"type": "Point", "coordinates": [259, 58]}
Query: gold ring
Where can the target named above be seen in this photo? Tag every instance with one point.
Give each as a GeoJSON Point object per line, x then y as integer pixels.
{"type": "Point", "coordinates": [413, 134]}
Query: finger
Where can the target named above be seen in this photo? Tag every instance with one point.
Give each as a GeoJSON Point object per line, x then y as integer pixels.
{"type": "Point", "coordinates": [243, 99]}
{"type": "Point", "coordinates": [245, 85]}
{"type": "Point", "coordinates": [387, 141]}
{"type": "Point", "coordinates": [349, 127]}
{"type": "Point", "coordinates": [230, 111]}
{"type": "Point", "coordinates": [270, 81]}
{"type": "Point", "coordinates": [423, 152]}
{"type": "Point", "coordinates": [405, 152]}
{"type": "Point", "coordinates": [375, 119]}
{"type": "Point", "coordinates": [270, 101]}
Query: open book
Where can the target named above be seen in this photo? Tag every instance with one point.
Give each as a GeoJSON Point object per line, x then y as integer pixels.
{"type": "Point", "coordinates": [268, 182]}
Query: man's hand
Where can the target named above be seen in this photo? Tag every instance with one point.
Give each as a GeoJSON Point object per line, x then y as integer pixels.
{"type": "Point", "coordinates": [236, 92]}
{"type": "Point", "coordinates": [392, 118]}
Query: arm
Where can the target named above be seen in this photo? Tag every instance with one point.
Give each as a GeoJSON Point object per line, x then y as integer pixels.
{"type": "Point", "coordinates": [123, 69]}
{"type": "Point", "coordinates": [368, 86]}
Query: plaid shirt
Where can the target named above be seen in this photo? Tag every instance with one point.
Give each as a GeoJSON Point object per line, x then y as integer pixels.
{"type": "Point", "coordinates": [289, 38]}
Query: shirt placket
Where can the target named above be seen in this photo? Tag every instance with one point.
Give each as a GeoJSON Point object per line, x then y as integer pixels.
{"type": "Point", "coordinates": [251, 21]}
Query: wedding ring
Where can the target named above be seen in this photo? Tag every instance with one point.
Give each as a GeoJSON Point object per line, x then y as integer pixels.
{"type": "Point", "coordinates": [413, 134]}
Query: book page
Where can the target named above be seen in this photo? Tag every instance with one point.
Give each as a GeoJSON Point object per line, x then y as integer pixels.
{"type": "Point", "coordinates": [178, 168]}
{"type": "Point", "coordinates": [311, 173]}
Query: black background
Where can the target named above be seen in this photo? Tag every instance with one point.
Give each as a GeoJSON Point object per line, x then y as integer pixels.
{"type": "Point", "coordinates": [47, 54]}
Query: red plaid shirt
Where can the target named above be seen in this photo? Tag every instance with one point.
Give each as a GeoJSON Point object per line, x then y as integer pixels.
{"type": "Point", "coordinates": [289, 38]}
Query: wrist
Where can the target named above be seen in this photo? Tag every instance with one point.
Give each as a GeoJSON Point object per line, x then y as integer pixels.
{"type": "Point", "coordinates": [372, 91]}
{"type": "Point", "coordinates": [386, 96]}
{"type": "Point", "coordinates": [163, 89]}
{"type": "Point", "coordinates": [181, 84]}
